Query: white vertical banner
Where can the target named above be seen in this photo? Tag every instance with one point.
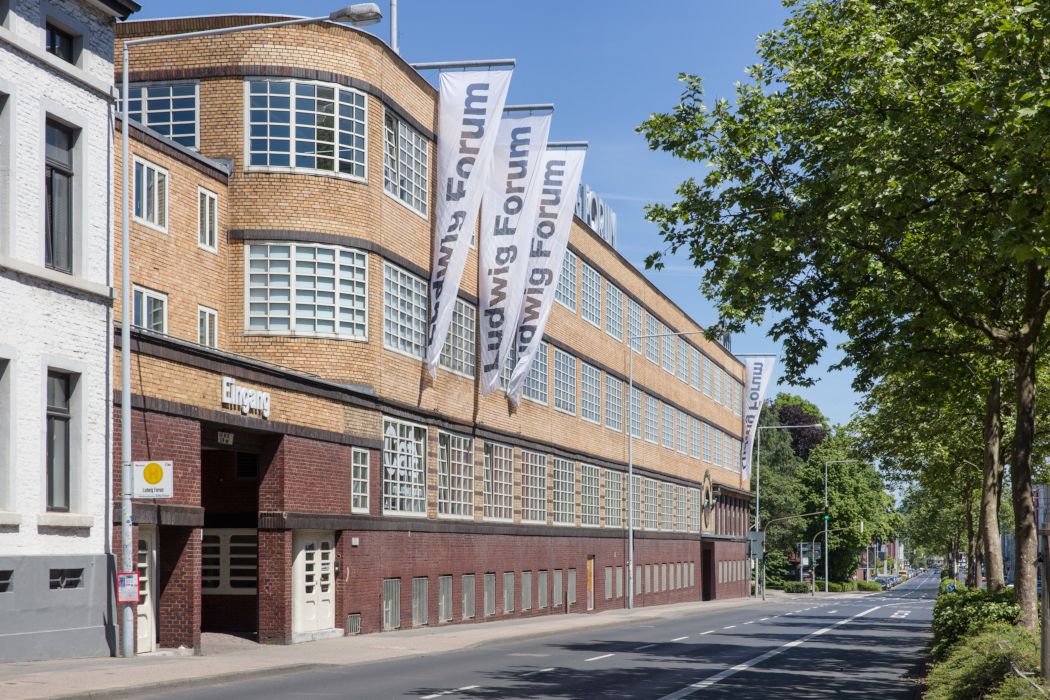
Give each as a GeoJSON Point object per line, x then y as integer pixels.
{"type": "Point", "coordinates": [757, 371]}
{"type": "Point", "coordinates": [508, 215]}
{"type": "Point", "coordinates": [469, 106]}
{"type": "Point", "coordinates": [560, 173]}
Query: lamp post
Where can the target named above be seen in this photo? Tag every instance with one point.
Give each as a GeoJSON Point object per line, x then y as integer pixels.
{"type": "Point", "coordinates": [834, 461]}
{"type": "Point", "coordinates": [360, 14]}
{"type": "Point", "coordinates": [813, 547]}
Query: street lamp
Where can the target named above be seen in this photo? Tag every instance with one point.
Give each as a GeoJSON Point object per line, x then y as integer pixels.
{"type": "Point", "coordinates": [359, 14]}
{"type": "Point", "coordinates": [834, 461]}
{"type": "Point", "coordinates": [814, 546]}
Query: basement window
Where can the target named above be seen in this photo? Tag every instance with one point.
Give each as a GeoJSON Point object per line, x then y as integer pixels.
{"type": "Point", "coordinates": [66, 578]}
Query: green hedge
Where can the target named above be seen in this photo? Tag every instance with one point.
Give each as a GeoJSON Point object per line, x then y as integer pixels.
{"type": "Point", "coordinates": [869, 586]}
{"type": "Point", "coordinates": [837, 586]}
{"type": "Point", "coordinates": [796, 587]}
{"type": "Point", "coordinates": [965, 612]}
{"type": "Point", "coordinates": [980, 666]}
{"type": "Point", "coordinates": [945, 582]}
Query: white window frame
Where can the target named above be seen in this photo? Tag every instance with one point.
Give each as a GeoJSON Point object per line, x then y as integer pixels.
{"type": "Point", "coordinates": [565, 293]}
{"type": "Point", "coordinates": [695, 368]}
{"type": "Point", "coordinates": [211, 318]}
{"type": "Point", "coordinates": [147, 293]}
{"type": "Point", "coordinates": [707, 376]}
{"type": "Point", "coordinates": [590, 295]}
{"type": "Point", "coordinates": [455, 476]}
{"type": "Point", "coordinates": [652, 419]}
{"type": "Point", "coordinates": [499, 482]}
{"type": "Point", "coordinates": [667, 423]}
{"type": "Point", "coordinates": [682, 359]}
{"type": "Point", "coordinates": [635, 325]}
{"type": "Point", "coordinates": [681, 511]}
{"type": "Point", "coordinates": [533, 487]}
{"type": "Point", "coordinates": [613, 310]}
{"type": "Point", "coordinates": [590, 490]}
{"type": "Point", "coordinates": [694, 437]}
{"type": "Point", "coordinates": [668, 348]}
{"type": "Point", "coordinates": [396, 279]}
{"type": "Point", "coordinates": [682, 432]}
{"type": "Point", "coordinates": [564, 504]}
{"type": "Point", "coordinates": [460, 351]}
{"type": "Point", "coordinates": [652, 339]}
{"type": "Point", "coordinates": [537, 381]}
{"type": "Point", "coordinates": [667, 501]}
{"type": "Point", "coordinates": [401, 132]}
{"type": "Point", "coordinates": [614, 498]}
{"type": "Point", "coordinates": [360, 473]}
{"type": "Point", "coordinates": [707, 443]}
{"type": "Point", "coordinates": [225, 545]}
{"type": "Point", "coordinates": [651, 504]}
{"type": "Point", "coordinates": [613, 403]}
{"type": "Point", "coordinates": [208, 215]}
{"type": "Point", "coordinates": [590, 393]}
{"type": "Point", "coordinates": [563, 391]}
{"type": "Point", "coordinates": [420, 498]}
{"type": "Point", "coordinates": [159, 207]}
{"type": "Point", "coordinates": [634, 412]}
{"type": "Point", "coordinates": [143, 115]}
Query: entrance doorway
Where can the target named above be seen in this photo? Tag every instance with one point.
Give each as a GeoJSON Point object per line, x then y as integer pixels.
{"type": "Point", "coordinates": [707, 571]}
{"type": "Point", "coordinates": [145, 612]}
{"type": "Point", "coordinates": [313, 597]}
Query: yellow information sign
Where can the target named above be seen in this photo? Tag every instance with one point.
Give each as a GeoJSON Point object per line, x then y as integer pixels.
{"type": "Point", "coordinates": [153, 479]}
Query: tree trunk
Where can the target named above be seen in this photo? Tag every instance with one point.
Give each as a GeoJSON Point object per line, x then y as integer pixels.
{"type": "Point", "coordinates": [971, 541]}
{"type": "Point", "coordinates": [990, 489]}
{"type": "Point", "coordinates": [1021, 482]}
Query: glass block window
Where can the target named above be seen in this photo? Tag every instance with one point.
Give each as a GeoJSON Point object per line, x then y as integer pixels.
{"type": "Point", "coordinates": [590, 295]}
{"type": "Point", "coordinates": [406, 164]}
{"type": "Point", "coordinates": [694, 511]}
{"type": "Point", "coordinates": [652, 419]}
{"type": "Point", "coordinates": [455, 475]}
{"type": "Point", "coordinates": [404, 311]}
{"type": "Point", "coordinates": [308, 290]}
{"type": "Point", "coordinates": [717, 388]}
{"type": "Point", "coordinates": [681, 511]}
{"type": "Point", "coordinates": [683, 360]}
{"type": "Point", "coordinates": [590, 504]}
{"type": "Point", "coordinates": [359, 481]}
{"type": "Point", "coordinates": [717, 458]}
{"type": "Point", "coordinates": [667, 349]}
{"type": "Point", "coordinates": [460, 350]}
{"type": "Point", "coordinates": [707, 375]}
{"type": "Point", "coordinates": [535, 386]}
{"type": "Point", "coordinates": [590, 393]}
{"type": "Point", "coordinates": [564, 492]}
{"type": "Point", "coordinates": [565, 292]}
{"type": "Point", "coordinates": [652, 339]}
{"type": "Point", "coordinates": [613, 499]}
{"type": "Point", "coordinates": [499, 482]}
{"type": "Point", "coordinates": [533, 487]}
{"type": "Point", "coordinates": [404, 467]}
{"type": "Point", "coordinates": [651, 501]}
{"type": "Point", "coordinates": [694, 368]}
{"type": "Point", "coordinates": [668, 426]}
{"type": "Point", "coordinates": [636, 496]}
{"type": "Point", "coordinates": [694, 437]}
{"type": "Point", "coordinates": [564, 381]}
{"type": "Point", "coordinates": [737, 398]}
{"type": "Point", "coordinates": [634, 412]}
{"type": "Point", "coordinates": [667, 510]}
{"type": "Point", "coordinates": [682, 432]}
{"type": "Point", "coordinates": [634, 325]}
{"type": "Point", "coordinates": [613, 310]}
{"type": "Point", "coordinates": [170, 109]}
{"type": "Point", "coordinates": [306, 126]}
{"type": "Point", "coordinates": [707, 442]}
{"type": "Point", "coordinates": [613, 403]}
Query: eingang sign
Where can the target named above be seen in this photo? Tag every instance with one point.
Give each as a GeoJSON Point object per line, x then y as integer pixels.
{"type": "Point", "coordinates": [247, 400]}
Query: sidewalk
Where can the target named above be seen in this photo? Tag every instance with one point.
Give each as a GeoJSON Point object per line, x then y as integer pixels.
{"type": "Point", "coordinates": [113, 678]}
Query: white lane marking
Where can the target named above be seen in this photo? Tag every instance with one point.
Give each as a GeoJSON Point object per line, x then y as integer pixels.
{"type": "Point", "coordinates": [707, 632]}
{"type": "Point", "coordinates": [749, 622]}
{"type": "Point", "coordinates": [763, 619]}
{"type": "Point", "coordinates": [729, 627]}
{"type": "Point", "coordinates": [900, 614]}
{"type": "Point", "coordinates": [678, 639]}
{"type": "Point", "coordinates": [539, 670]}
{"type": "Point", "coordinates": [448, 692]}
{"type": "Point", "coordinates": [646, 646]}
{"type": "Point", "coordinates": [595, 658]}
{"type": "Point", "coordinates": [733, 670]}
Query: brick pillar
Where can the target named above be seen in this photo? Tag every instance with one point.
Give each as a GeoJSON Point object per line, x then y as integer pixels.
{"type": "Point", "coordinates": [179, 587]}
{"type": "Point", "coordinates": [275, 586]}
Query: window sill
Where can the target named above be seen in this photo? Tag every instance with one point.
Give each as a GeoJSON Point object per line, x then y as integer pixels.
{"type": "Point", "coordinates": [66, 520]}
{"type": "Point", "coordinates": [10, 519]}
{"type": "Point", "coordinates": [61, 279]}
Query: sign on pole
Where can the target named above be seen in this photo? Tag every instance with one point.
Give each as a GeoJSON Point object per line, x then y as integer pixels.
{"type": "Point", "coordinates": [127, 586]}
{"type": "Point", "coordinates": [152, 479]}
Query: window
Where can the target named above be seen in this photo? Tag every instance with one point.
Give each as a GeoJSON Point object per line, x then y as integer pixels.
{"type": "Point", "coordinates": [707, 376]}
{"type": "Point", "coordinates": [59, 579]}
{"type": "Point", "coordinates": [404, 311]}
{"type": "Point", "coordinates": [619, 582]}
{"type": "Point", "coordinates": [59, 424]}
{"type": "Point", "coordinates": [590, 504]}
{"type": "Point", "coordinates": [541, 590]}
{"type": "Point", "coordinates": [634, 325]}
{"type": "Point", "coordinates": [681, 511]}
{"type": "Point", "coordinates": [499, 482]}
{"type": "Point", "coordinates": [613, 499]}
{"type": "Point", "coordinates": [694, 512]}
{"type": "Point", "coordinates": [535, 386]}
{"type": "Point", "coordinates": [490, 594]}
{"type": "Point", "coordinates": [682, 432]}
{"type": "Point", "coordinates": [359, 480]}
{"type": "Point", "coordinates": [717, 385]}
{"type": "Point", "coordinates": [60, 43]}
{"type": "Point", "coordinates": [229, 562]}
{"type": "Point", "coordinates": [391, 603]}
{"type": "Point", "coordinates": [651, 500]}
{"type": "Point", "coordinates": [737, 396]}
{"type": "Point", "coordinates": [683, 359]}
{"type": "Point", "coordinates": [508, 592]}
{"type": "Point", "coordinates": [565, 292]}
{"type": "Point", "coordinates": [564, 492]}
{"type": "Point", "coordinates": [406, 159]}
{"type": "Point", "coordinates": [151, 195]}
{"type": "Point", "coordinates": [608, 582]}
{"type": "Point", "coordinates": [329, 127]}
{"type": "Point", "coordinates": [590, 295]}
{"type": "Point", "coordinates": [613, 403]}
{"type": "Point", "coordinates": [694, 367]}
{"type": "Point", "coordinates": [420, 601]}
{"type": "Point", "coordinates": [207, 219]}
{"type": "Point", "coordinates": [564, 381]}
{"type": "Point", "coordinates": [170, 109]}
{"type": "Point", "coordinates": [533, 487]}
{"type": "Point", "coordinates": [637, 496]}
{"type": "Point", "coordinates": [613, 310]}
{"type": "Point", "coordinates": [459, 351]}
{"type": "Point", "coordinates": [707, 442]}
{"type": "Point", "coordinates": [634, 412]}
{"type": "Point", "coordinates": [718, 447]}
{"type": "Point", "coordinates": [648, 578]}
{"type": "Point", "coordinates": [570, 586]}
{"type": "Point", "coordinates": [58, 189]}
{"type": "Point", "coordinates": [667, 522]}
{"type": "Point", "coordinates": [668, 426]}
{"type": "Point", "coordinates": [303, 289]}
{"type": "Point", "coordinates": [590, 393]}
{"type": "Point", "coordinates": [444, 599]}
{"type": "Point", "coordinates": [455, 475]}
{"type": "Point", "coordinates": [526, 591]}
{"type": "Point", "coordinates": [557, 597]}
{"type": "Point", "coordinates": [469, 594]}
{"type": "Point", "coordinates": [694, 438]}
{"type": "Point", "coordinates": [7, 580]}
{"type": "Point", "coordinates": [149, 310]}
{"type": "Point", "coordinates": [652, 418]}
{"type": "Point", "coordinates": [207, 327]}
{"type": "Point", "coordinates": [667, 349]}
{"type": "Point", "coordinates": [404, 467]}
{"type": "Point", "coordinates": [652, 339]}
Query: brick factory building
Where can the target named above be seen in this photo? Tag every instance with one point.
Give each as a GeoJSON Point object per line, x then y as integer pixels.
{"type": "Point", "coordinates": [324, 484]}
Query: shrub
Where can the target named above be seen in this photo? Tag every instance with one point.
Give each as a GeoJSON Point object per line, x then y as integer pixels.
{"type": "Point", "coordinates": [1016, 688]}
{"type": "Point", "coordinates": [869, 586]}
{"type": "Point", "coordinates": [796, 587]}
{"type": "Point", "coordinates": [946, 582]}
{"type": "Point", "coordinates": [965, 612]}
{"type": "Point", "coordinates": [980, 668]}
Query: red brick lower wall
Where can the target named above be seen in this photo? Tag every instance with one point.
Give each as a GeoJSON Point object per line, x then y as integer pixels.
{"type": "Point", "coordinates": [179, 587]}
{"type": "Point", "coordinates": [275, 586]}
{"type": "Point", "coordinates": [731, 552]}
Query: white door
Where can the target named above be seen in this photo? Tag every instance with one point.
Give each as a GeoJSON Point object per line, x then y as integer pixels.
{"type": "Point", "coordinates": [145, 612]}
{"type": "Point", "coordinates": [314, 582]}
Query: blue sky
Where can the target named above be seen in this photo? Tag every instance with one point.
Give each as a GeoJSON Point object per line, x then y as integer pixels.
{"type": "Point", "coordinates": [606, 65]}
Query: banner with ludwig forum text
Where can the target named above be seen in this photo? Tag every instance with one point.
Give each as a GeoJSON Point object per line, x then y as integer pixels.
{"type": "Point", "coordinates": [560, 172]}
{"type": "Point", "coordinates": [757, 371]}
{"type": "Point", "coordinates": [508, 215]}
{"type": "Point", "coordinates": [469, 106]}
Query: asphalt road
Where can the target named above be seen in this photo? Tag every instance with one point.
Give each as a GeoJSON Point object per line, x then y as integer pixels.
{"type": "Point", "coordinates": [848, 646]}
